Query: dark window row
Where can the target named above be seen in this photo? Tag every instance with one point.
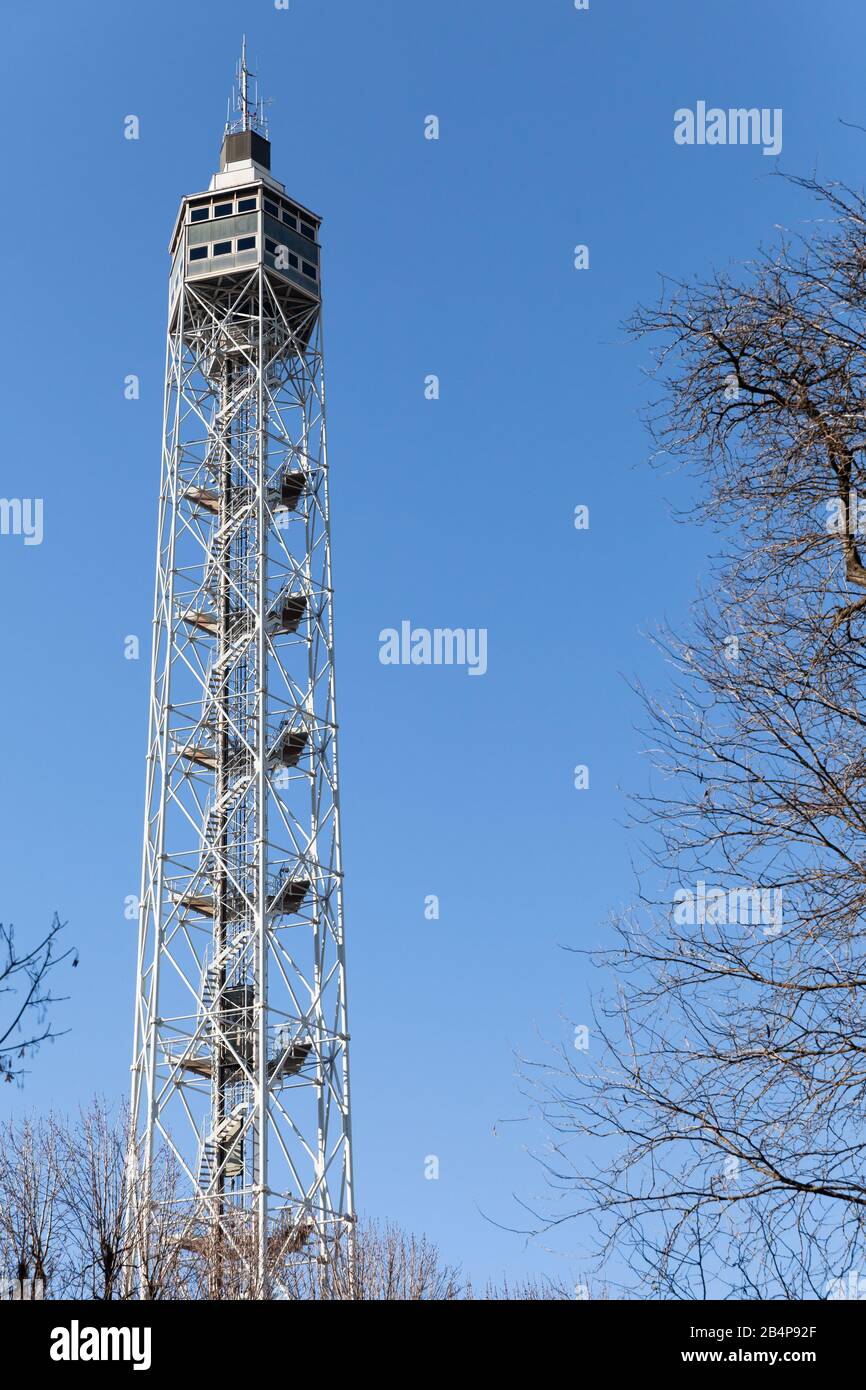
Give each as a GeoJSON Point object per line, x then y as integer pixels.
{"type": "Point", "coordinates": [293, 260]}
{"type": "Point", "coordinates": [291, 217]}
{"type": "Point", "coordinates": [228, 206]}
{"type": "Point", "coordinates": [225, 208]}
{"type": "Point", "coordinates": [222, 248]}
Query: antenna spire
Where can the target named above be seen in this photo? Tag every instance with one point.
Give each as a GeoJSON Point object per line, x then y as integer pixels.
{"type": "Point", "coordinates": [244, 94]}
{"type": "Point", "coordinates": [246, 109]}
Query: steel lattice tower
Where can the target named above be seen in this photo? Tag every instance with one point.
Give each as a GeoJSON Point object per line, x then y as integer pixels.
{"type": "Point", "coordinates": [240, 1066]}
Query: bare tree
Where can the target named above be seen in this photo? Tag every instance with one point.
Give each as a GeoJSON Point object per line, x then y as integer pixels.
{"type": "Point", "coordinates": [31, 1217]}
{"type": "Point", "coordinates": [63, 1222]}
{"type": "Point", "coordinates": [167, 1268]}
{"type": "Point", "coordinates": [545, 1290]}
{"type": "Point", "coordinates": [62, 1218]}
{"type": "Point", "coordinates": [25, 979]}
{"type": "Point", "coordinates": [380, 1263]}
{"type": "Point", "coordinates": [91, 1159]}
{"type": "Point", "coordinates": [371, 1263]}
{"type": "Point", "coordinates": [714, 1130]}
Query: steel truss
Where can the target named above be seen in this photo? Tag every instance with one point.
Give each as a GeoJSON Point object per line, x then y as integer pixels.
{"type": "Point", "coordinates": [240, 1068]}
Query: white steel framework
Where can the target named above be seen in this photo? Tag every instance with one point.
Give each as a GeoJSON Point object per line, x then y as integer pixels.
{"type": "Point", "coordinates": [240, 1066]}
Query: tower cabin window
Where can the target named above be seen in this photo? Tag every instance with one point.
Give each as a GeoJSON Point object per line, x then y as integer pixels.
{"type": "Point", "coordinates": [246, 243]}
{"type": "Point", "coordinates": [246, 204]}
{"type": "Point", "coordinates": [309, 270]}
{"type": "Point", "coordinates": [199, 215]}
{"type": "Point", "coordinates": [308, 230]}
{"type": "Point", "coordinates": [272, 208]}
{"type": "Point", "coordinates": [223, 210]}
{"type": "Point", "coordinates": [198, 253]}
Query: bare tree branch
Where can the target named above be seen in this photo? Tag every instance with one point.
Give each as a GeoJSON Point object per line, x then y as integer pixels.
{"type": "Point", "coordinates": [25, 979]}
{"type": "Point", "coordinates": [714, 1132]}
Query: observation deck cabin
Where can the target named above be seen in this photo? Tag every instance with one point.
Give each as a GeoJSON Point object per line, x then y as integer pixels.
{"type": "Point", "coordinates": [246, 220]}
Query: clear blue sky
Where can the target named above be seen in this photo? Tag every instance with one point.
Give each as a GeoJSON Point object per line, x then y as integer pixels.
{"type": "Point", "coordinates": [451, 257]}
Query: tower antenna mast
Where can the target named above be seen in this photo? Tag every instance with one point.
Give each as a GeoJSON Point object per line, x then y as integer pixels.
{"type": "Point", "coordinates": [240, 1076]}
{"type": "Point", "coordinates": [244, 101]}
